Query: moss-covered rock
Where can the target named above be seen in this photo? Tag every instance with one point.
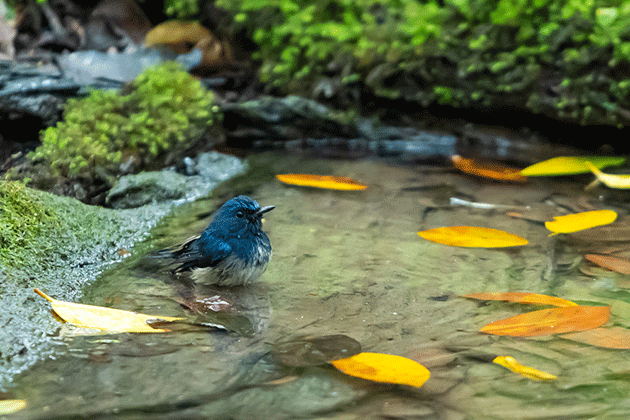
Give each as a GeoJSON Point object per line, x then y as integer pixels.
{"type": "Point", "coordinates": [22, 218]}
{"type": "Point", "coordinates": [163, 113]}
{"type": "Point", "coordinates": [567, 59]}
{"type": "Point", "coordinates": [60, 245]}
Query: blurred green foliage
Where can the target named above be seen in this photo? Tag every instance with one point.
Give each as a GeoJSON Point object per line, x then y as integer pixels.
{"type": "Point", "coordinates": [164, 110]}
{"type": "Point", "coordinates": [457, 52]}
{"type": "Point", "coordinates": [181, 8]}
{"type": "Point", "coordinates": [300, 38]}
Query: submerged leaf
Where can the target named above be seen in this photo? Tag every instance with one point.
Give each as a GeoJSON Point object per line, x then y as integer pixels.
{"type": "Point", "coordinates": [329, 182]}
{"type": "Point", "coordinates": [490, 170]}
{"type": "Point", "coordinates": [104, 319]}
{"type": "Point", "coordinates": [526, 371]}
{"type": "Point", "coordinates": [611, 181]}
{"type": "Point", "coordinates": [570, 165]}
{"type": "Point", "coordinates": [550, 321]}
{"type": "Point", "coordinates": [619, 265]}
{"type": "Point", "coordinates": [315, 351]}
{"type": "Point", "coordinates": [610, 338]}
{"type": "Point", "coordinates": [473, 237]}
{"type": "Point", "coordinates": [620, 232]}
{"type": "Point", "coordinates": [386, 368]}
{"type": "Point", "coordinates": [580, 221]}
{"type": "Point", "coordinates": [523, 297]}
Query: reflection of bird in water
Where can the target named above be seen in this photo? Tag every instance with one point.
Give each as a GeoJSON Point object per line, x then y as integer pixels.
{"type": "Point", "coordinates": [232, 251]}
{"type": "Point", "coordinates": [244, 310]}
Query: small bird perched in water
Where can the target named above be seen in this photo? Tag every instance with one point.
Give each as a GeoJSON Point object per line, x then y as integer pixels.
{"type": "Point", "coordinates": [232, 251]}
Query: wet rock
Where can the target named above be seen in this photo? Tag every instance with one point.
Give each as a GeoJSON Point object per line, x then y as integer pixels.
{"type": "Point", "coordinates": [202, 174]}
{"type": "Point", "coordinates": [213, 166]}
{"type": "Point", "coordinates": [146, 187]}
{"type": "Point", "coordinates": [28, 91]}
{"type": "Point", "coordinates": [87, 67]}
{"type": "Point", "coordinates": [285, 118]}
{"type": "Point", "coordinates": [318, 393]}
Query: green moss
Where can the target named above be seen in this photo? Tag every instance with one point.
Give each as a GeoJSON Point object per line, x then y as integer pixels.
{"type": "Point", "coordinates": [22, 218]}
{"type": "Point", "coordinates": [165, 110]}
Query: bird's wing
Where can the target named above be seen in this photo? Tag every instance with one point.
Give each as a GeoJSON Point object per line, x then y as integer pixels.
{"type": "Point", "coordinates": [206, 250]}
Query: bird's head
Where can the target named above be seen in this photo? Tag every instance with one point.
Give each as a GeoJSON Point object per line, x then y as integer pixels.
{"type": "Point", "coordinates": [239, 215]}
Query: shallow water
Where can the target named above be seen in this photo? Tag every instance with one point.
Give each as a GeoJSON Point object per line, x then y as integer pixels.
{"type": "Point", "coordinates": [348, 263]}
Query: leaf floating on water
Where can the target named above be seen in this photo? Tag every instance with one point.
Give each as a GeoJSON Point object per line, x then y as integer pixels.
{"type": "Point", "coordinates": [315, 351]}
{"type": "Point", "coordinates": [611, 181]}
{"type": "Point", "coordinates": [523, 297]}
{"type": "Point", "coordinates": [550, 321]}
{"type": "Point", "coordinates": [610, 338]}
{"type": "Point", "coordinates": [570, 165]}
{"type": "Point", "coordinates": [526, 371]}
{"type": "Point", "coordinates": [385, 368]}
{"type": "Point", "coordinates": [619, 265]}
{"type": "Point", "coordinates": [11, 406]}
{"type": "Point", "coordinates": [580, 221]}
{"type": "Point", "coordinates": [329, 182]}
{"type": "Point", "coordinates": [472, 237]}
{"type": "Point", "coordinates": [490, 170]}
{"type": "Point", "coordinates": [104, 319]}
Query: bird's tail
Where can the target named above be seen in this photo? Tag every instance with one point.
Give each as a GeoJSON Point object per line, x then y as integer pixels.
{"type": "Point", "coordinates": [175, 253]}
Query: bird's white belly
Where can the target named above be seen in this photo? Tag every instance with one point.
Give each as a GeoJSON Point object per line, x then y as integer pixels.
{"type": "Point", "coordinates": [233, 271]}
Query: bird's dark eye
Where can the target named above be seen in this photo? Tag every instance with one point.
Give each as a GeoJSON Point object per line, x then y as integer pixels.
{"type": "Point", "coordinates": [240, 214]}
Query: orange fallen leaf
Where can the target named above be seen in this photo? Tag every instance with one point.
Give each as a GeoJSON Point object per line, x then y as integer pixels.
{"type": "Point", "coordinates": [473, 237]}
{"type": "Point", "coordinates": [523, 297]}
{"type": "Point", "coordinates": [386, 368]}
{"type": "Point", "coordinates": [526, 371]}
{"type": "Point", "coordinates": [329, 182]}
{"type": "Point", "coordinates": [580, 221]}
{"type": "Point", "coordinates": [550, 321]}
{"type": "Point", "coordinates": [610, 338]}
{"type": "Point", "coordinates": [490, 170]}
{"type": "Point", "coordinates": [619, 265]}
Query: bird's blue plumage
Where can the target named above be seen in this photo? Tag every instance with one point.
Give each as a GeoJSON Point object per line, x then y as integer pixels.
{"type": "Point", "coordinates": [233, 250]}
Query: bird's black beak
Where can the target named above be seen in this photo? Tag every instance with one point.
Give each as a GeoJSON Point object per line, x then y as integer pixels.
{"type": "Point", "coordinates": [264, 210]}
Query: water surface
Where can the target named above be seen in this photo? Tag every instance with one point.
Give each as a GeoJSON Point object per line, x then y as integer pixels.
{"type": "Point", "coordinates": [349, 263]}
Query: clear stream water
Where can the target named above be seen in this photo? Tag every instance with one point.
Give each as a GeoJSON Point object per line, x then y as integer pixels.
{"type": "Point", "coordinates": [350, 263]}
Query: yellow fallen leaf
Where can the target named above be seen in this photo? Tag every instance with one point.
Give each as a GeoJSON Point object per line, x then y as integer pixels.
{"type": "Point", "coordinates": [472, 237]}
{"type": "Point", "coordinates": [526, 371]}
{"type": "Point", "coordinates": [329, 182]}
{"type": "Point", "coordinates": [522, 297]}
{"type": "Point", "coordinates": [550, 321]}
{"type": "Point", "coordinates": [104, 319]}
{"type": "Point", "coordinates": [11, 406]}
{"type": "Point", "coordinates": [580, 221]}
{"type": "Point", "coordinates": [386, 368]}
{"type": "Point", "coordinates": [611, 181]}
{"type": "Point", "coordinates": [570, 165]}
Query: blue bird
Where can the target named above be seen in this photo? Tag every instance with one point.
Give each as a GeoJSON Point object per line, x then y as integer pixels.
{"type": "Point", "coordinates": [232, 251]}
